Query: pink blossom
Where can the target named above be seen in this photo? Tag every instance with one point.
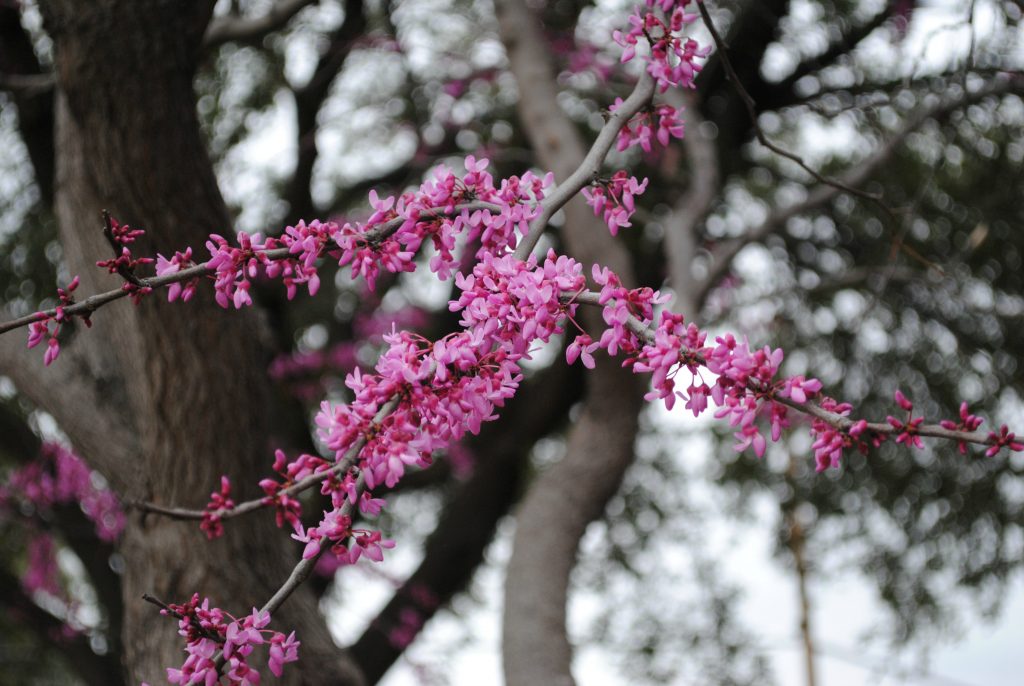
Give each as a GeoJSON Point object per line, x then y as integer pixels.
{"type": "Point", "coordinates": [614, 198]}
{"type": "Point", "coordinates": [220, 502]}
{"type": "Point", "coordinates": [673, 59]}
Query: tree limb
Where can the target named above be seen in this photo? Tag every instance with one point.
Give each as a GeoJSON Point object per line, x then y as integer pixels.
{"type": "Point", "coordinates": [569, 495]}
{"type": "Point", "coordinates": [76, 393]}
{"type": "Point", "coordinates": [230, 28]}
{"type": "Point", "coordinates": [681, 226]}
{"type": "Point", "coordinates": [308, 100]}
{"type": "Point", "coordinates": [723, 256]}
{"type": "Point", "coordinates": [456, 547]}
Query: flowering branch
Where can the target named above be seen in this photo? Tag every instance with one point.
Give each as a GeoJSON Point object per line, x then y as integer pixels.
{"type": "Point", "coordinates": [86, 307]}
{"type": "Point", "coordinates": [591, 166]}
{"type": "Point", "coordinates": [340, 467]}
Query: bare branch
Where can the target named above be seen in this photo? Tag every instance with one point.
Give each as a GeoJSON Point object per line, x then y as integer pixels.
{"type": "Point", "coordinates": [591, 165]}
{"type": "Point", "coordinates": [691, 209]}
{"type": "Point", "coordinates": [810, 408]}
{"type": "Point", "coordinates": [569, 495]}
{"type": "Point", "coordinates": [27, 84]}
{"type": "Point", "coordinates": [32, 90]}
{"type": "Point", "coordinates": [237, 28]}
{"type": "Point", "coordinates": [79, 395]}
{"type": "Point", "coordinates": [723, 256]}
{"type": "Point", "coordinates": [308, 100]}
{"type": "Point", "coordinates": [751, 107]}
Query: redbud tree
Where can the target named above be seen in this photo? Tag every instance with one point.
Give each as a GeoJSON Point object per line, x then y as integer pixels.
{"type": "Point", "coordinates": [164, 355]}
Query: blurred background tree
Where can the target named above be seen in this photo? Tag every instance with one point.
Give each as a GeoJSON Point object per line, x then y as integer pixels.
{"type": "Point", "coordinates": [303, 107]}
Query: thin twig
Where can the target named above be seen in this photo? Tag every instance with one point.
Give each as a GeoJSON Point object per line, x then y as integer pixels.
{"type": "Point", "coordinates": [591, 165]}
{"type": "Point", "coordinates": [751, 108]}
{"type": "Point", "coordinates": [723, 255]}
{"type": "Point", "coordinates": [124, 272]}
{"type": "Point", "coordinates": [174, 613]}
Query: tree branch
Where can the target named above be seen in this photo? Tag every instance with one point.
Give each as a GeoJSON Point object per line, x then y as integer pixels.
{"type": "Point", "coordinates": [76, 394]}
{"type": "Point", "coordinates": [95, 302]}
{"type": "Point", "coordinates": [811, 407]}
{"type": "Point", "coordinates": [751, 107]}
{"type": "Point", "coordinates": [467, 525]}
{"type": "Point", "coordinates": [32, 91]}
{"type": "Point", "coordinates": [723, 256]}
{"type": "Point", "coordinates": [95, 670]}
{"type": "Point", "coordinates": [843, 45]}
{"type": "Point", "coordinates": [591, 165]}
{"type": "Point", "coordinates": [691, 209]}
{"type": "Point", "coordinates": [569, 495]}
{"type": "Point", "coordinates": [237, 28]}
{"type": "Point", "coordinates": [309, 99]}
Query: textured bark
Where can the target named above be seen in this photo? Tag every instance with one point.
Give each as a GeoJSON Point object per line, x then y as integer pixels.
{"type": "Point", "coordinates": [190, 376]}
{"type": "Point", "coordinates": [572, 493]}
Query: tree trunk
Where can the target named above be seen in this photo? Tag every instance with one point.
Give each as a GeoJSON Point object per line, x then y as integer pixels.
{"type": "Point", "coordinates": [190, 377]}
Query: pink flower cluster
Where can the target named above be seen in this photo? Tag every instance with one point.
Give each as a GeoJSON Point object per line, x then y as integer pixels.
{"type": "Point", "coordinates": [432, 212]}
{"type": "Point", "coordinates": [907, 428]}
{"type": "Point", "coordinates": [179, 261]}
{"type": "Point", "coordinates": [58, 477]}
{"type": "Point", "coordinates": [745, 384]}
{"type": "Point", "coordinates": [210, 630]}
{"type": "Point", "coordinates": [1004, 439]}
{"type": "Point", "coordinates": [336, 525]}
{"type": "Point", "coordinates": [968, 422]}
{"type": "Point", "coordinates": [236, 267]}
{"type": "Point", "coordinates": [830, 440]}
{"type": "Point", "coordinates": [443, 389]}
{"type": "Point", "coordinates": [673, 59]}
{"type": "Point", "coordinates": [39, 330]}
{"type": "Point", "coordinates": [220, 502]}
{"type": "Point", "coordinates": [289, 509]}
{"type": "Point", "coordinates": [124, 263]}
{"type": "Point", "coordinates": [614, 198]}
{"type": "Point", "coordinates": [658, 122]}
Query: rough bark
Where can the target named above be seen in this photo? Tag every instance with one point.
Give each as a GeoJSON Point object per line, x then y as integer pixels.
{"type": "Point", "coordinates": [190, 376]}
{"type": "Point", "coordinates": [572, 493]}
